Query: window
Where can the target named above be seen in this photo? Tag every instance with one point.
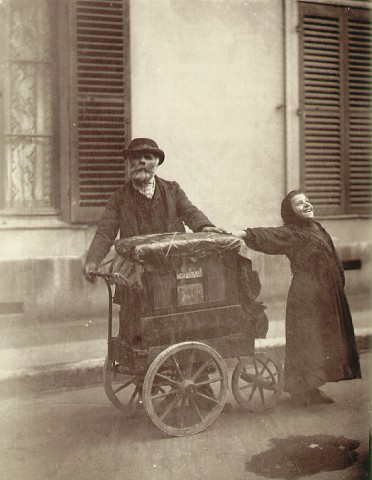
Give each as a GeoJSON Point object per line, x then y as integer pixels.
{"type": "Point", "coordinates": [65, 105]}
{"type": "Point", "coordinates": [28, 155]}
{"type": "Point", "coordinates": [335, 102]}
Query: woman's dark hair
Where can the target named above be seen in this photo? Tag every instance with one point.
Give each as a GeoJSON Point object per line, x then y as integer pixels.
{"type": "Point", "coordinates": [288, 215]}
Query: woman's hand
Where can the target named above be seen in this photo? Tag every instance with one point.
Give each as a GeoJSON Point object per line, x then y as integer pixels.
{"type": "Point", "coordinates": [213, 230]}
{"type": "Point", "coordinates": [240, 234]}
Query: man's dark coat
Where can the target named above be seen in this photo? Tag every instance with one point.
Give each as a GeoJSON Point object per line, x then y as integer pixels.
{"type": "Point", "coordinates": [120, 215]}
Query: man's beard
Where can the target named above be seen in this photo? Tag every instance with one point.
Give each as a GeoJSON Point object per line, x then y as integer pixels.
{"type": "Point", "coordinates": [142, 175]}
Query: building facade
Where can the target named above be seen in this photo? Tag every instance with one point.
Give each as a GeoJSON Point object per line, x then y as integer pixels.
{"type": "Point", "coordinates": [249, 99]}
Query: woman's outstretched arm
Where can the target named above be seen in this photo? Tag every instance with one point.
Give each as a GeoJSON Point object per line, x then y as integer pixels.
{"type": "Point", "coordinates": [270, 240]}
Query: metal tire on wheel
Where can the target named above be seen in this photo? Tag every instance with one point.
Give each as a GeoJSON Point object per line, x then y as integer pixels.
{"type": "Point", "coordinates": [123, 390]}
{"type": "Point", "coordinates": [185, 388]}
{"type": "Point", "coordinates": [257, 382]}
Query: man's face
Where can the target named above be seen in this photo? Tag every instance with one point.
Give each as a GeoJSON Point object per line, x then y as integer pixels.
{"type": "Point", "coordinates": [142, 167]}
{"type": "Point", "coordinates": [301, 206]}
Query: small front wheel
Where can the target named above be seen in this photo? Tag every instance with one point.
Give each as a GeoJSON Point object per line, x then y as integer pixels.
{"type": "Point", "coordinates": [257, 382]}
{"type": "Point", "coordinates": [122, 389]}
{"type": "Point", "coordinates": [185, 388]}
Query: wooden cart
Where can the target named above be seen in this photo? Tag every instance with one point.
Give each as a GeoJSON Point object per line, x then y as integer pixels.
{"type": "Point", "coordinates": [181, 316]}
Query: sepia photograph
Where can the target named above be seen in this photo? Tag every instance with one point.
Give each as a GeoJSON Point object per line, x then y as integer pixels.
{"type": "Point", "coordinates": [186, 239]}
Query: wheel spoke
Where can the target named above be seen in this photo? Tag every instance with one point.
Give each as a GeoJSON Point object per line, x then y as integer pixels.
{"type": "Point", "coordinates": [255, 365]}
{"type": "Point", "coordinates": [190, 362]}
{"type": "Point", "coordinates": [248, 385]}
{"type": "Point", "coordinates": [194, 406]}
{"type": "Point", "coordinates": [182, 412]}
{"type": "Point", "coordinates": [170, 407]}
{"type": "Point", "coordinates": [133, 396]}
{"type": "Point", "coordinates": [207, 397]}
{"type": "Point", "coordinates": [254, 388]}
{"type": "Point", "coordinates": [165, 394]}
{"type": "Point", "coordinates": [264, 367]}
{"type": "Point", "coordinates": [209, 381]}
{"type": "Point", "coordinates": [178, 368]}
{"type": "Point", "coordinates": [167, 379]}
{"type": "Point", "coordinates": [260, 389]}
{"type": "Point", "coordinates": [201, 369]}
{"type": "Point", "coordinates": [126, 384]}
{"type": "Point", "coordinates": [272, 375]}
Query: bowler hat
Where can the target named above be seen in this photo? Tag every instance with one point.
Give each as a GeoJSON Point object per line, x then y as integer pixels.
{"type": "Point", "coordinates": [144, 145]}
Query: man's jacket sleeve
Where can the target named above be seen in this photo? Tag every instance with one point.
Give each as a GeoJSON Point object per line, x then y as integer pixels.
{"type": "Point", "coordinates": [107, 230]}
{"type": "Point", "coordinates": [188, 213]}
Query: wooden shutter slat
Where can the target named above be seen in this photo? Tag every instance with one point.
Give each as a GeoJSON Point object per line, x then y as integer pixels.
{"type": "Point", "coordinates": [109, 34]}
{"type": "Point", "coordinates": [101, 26]}
{"type": "Point", "coordinates": [313, 66]}
{"type": "Point", "coordinates": [97, 40]}
{"type": "Point", "coordinates": [101, 4]}
{"type": "Point", "coordinates": [318, 22]}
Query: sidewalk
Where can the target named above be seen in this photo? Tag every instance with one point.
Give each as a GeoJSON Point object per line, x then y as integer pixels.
{"type": "Point", "coordinates": [46, 356]}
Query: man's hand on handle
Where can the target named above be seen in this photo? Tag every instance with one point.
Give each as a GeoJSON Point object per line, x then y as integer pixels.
{"type": "Point", "coordinates": [89, 270]}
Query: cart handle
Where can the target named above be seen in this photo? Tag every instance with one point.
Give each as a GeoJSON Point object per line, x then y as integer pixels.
{"type": "Point", "coordinates": [107, 277]}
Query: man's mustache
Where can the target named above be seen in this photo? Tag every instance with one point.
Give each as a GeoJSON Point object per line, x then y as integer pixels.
{"type": "Point", "coordinates": [144, 169]}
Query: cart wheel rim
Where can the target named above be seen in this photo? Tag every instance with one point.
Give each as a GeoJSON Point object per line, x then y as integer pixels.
{"type": "Point", "coordinates": [185, 388]}
{"type": "Point", "coordinates": [123, 390]}
{"type": "Point", "coordinates": [258, 381]}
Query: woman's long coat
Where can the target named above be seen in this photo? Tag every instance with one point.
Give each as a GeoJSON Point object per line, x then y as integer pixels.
{"type": "Point", "coordinates": [320, 341]}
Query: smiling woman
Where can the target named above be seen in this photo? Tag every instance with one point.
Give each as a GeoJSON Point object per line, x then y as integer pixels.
{"type": "Point", "coordinates": [301, 206]}
{"type": "Point", "coordinates": [320, 341]}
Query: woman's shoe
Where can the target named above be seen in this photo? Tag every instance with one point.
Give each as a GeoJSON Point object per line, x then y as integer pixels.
{"type": "Point", "coordinates": [317, 396]}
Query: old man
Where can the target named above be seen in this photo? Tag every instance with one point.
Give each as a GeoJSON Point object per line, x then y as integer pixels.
{"type": "Point", "coordinates": [146, 204]}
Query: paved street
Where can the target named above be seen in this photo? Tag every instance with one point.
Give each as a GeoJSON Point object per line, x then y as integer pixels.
{"type": "Point", "coordinates": [77, 434]}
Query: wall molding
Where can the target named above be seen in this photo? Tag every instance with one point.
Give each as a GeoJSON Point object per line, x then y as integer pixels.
{"type": "Point", "coordinates": [342, 3]}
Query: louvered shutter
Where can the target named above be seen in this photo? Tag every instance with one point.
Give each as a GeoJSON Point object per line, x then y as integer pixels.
{"type": "Point", "coordinates": [321, 106]}
{"type": "Point", "coordinates": [359, 110]}
{"type": "Point", "coordinates": [334, 97]}
{"type": "Point", "coordinates": [102, 104]}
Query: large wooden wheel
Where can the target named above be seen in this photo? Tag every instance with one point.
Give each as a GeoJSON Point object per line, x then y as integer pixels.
{"type": "Point", "coordinates": [257, 382]}
{"type": "Point", "coordinates": [185, 388]}
{"type": "Point", "coordinates": [122, 389]}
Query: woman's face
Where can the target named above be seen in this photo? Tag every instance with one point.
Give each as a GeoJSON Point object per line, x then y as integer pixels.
{"type": "Point", "coordinates": [301, 206]}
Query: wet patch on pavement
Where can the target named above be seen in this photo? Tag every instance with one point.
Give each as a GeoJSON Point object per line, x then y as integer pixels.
{"type": "Point", "coordinates": [298, 456]}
